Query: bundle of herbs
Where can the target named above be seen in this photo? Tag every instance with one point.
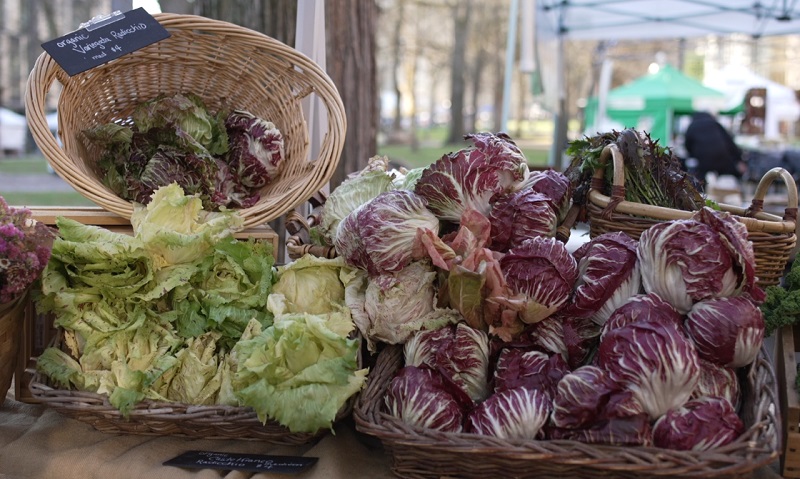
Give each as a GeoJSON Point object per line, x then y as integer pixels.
{"type": "Point", "coordinates": [653, 174]}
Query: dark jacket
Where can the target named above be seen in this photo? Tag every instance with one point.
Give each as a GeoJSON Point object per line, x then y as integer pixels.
{"type": "Point", "coordinates": [713, 147]}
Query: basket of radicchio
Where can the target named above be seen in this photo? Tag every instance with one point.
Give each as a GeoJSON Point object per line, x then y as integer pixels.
{"type": "Point", "coordinates": [215, 107]}
{"type": "Point", "coordinates": [501, 352]}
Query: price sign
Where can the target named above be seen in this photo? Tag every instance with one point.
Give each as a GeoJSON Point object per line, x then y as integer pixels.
{"type": "Point", "coordinates": [242, 462]}
{"type": "Point", "coordinates": [105, 39]}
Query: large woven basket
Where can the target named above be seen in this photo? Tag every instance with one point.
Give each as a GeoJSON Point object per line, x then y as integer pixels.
{"type": "Point", "coordinates": [154, 418]}
{"type": "Point", "coordinates": [11, 319]}
{"type": "Point", "coordinates": [773, 237]}
{"type": "Point", "coordinates": [218, 61]}
{"type": "Point", "coordinates": [427, 454]}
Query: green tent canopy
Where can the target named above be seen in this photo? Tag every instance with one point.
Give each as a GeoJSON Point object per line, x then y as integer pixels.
{"type": "Point", "coordinates": [651, 102]}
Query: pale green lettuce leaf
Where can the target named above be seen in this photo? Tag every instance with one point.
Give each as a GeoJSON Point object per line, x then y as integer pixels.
{"type": "Point", "coordinates": [175, 229]}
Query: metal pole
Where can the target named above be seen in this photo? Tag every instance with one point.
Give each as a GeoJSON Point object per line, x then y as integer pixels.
{"type": "Point", "coordinates": [511, 47]}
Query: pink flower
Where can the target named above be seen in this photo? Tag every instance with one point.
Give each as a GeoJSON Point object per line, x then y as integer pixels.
{"type": "Point", "coordinates": [25, 247]}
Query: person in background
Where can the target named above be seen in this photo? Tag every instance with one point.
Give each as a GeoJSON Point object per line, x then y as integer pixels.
{"type": "Point", "coordinates": [713, 148]}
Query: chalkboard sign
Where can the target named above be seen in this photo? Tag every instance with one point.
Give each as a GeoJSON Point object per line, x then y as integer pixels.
{"type": "Point", "coordinates": [242, 462]}
{"type": "Point", "coordinates": [104, 40]}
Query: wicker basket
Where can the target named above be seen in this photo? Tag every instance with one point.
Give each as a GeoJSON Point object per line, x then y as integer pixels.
{"type": "Point", "coordinates": [11, 320]}
{"type": "Point", "coordinates": [773, 237]}
{"type": "Point", "coordinates": [299, 243]}
{"type": "Point", "coordinates": [155, 418]}
{"type": "Point", "coordinates": [424, 453]}
{"type": "Point", "coordinates": [218, 61]}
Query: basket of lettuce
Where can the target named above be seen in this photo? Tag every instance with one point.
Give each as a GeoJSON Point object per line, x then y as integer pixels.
{"type": "Point", "coordinates": [623, 181]}
{"type": "Point", "coordinates": [501, 353]}
{"type": "Point", "coordinates": [215, 107]}
{"type": "Point", "coordinates": [180, 329]}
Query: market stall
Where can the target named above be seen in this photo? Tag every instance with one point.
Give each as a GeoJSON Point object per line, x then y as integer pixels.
{"type": "Point", "coordinates": [427, 323]}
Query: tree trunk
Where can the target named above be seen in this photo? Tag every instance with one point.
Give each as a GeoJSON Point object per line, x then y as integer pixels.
{"type": "Point", "coordinates": [461, 16]}
{"type": "Point", "coordinates": [397, 56]}
{"type": "Point", "coordinates": [476, 80]}
{"type": "Point", "coordinates": [350, 27]}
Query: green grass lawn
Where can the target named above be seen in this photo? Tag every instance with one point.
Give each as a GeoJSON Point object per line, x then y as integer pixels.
{"type": "Point", "coordinates": [29, 199]}
{"type": "Point", "coordinates": [36, 165]}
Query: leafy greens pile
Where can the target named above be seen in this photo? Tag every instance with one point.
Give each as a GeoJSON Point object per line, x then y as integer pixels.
{"type": "Point", "coordinates": [181, 311]}
{"type": "Point", "coordinates": [225, 158]}
{"type": "Point", "coordinates": [653, 175]}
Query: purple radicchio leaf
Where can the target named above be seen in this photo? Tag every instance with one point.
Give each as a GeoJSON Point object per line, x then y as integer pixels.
{"type": "Point", "coordinates": [379, 236]}
{"type": "Point", "coordinates": [718, 381]}
{"type": "Point", "coordinates": [541, 274]}
{"type": "Point", "coordinates": [554, 185]}
{"type": "Point", "coordinates": [423, 397]}
{"type": "Point", "coordinates": [529, 369]}
{"type": "Point", "coordinates": [471, 177]}
{"type": "Point", "coordinates": [581, 338]}
{"type": "Point", "coordinates": [608, 274]}
{"type": "Point", "coordinates": [726, 331]}
{"type": "Point", "coordinates": [518, 413]}
{"type": "Point", "coordinates": [642, 307]}
{"type": "Point", "coordinates": [654, 360]}
{"type": "Point", "coordinates": [708, 256]}
{"type": "Point", "coordinates": [699, 425]}
{"type": "Point", "coordinates": [459, 352]}
{"type": "Point", "coordinates": [256, 149]}
{"type": "Point", "coordinates": [581, 396]}
{"type": "Point", "coordinates": [520, 215]}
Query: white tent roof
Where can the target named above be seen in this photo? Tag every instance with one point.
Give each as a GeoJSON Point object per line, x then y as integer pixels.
{"type": "Point", "coordinates": [631, 19]}
{"type": "Point", "coordinates": [11, 118]}
{"type": "Point", "coordinates": [735, 80]}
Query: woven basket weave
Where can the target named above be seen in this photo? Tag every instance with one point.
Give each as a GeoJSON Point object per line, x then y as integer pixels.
{"type": "Point", "coordinates": [428, 454]}
{"type": "Point", "coordinates": [11, 319]}
{"type": "Point", "coordinates": [153, 418]}
{"type": "Point", "coordinates": [773, 237]}
{"type": "Point", "coordinates": [219, 62]}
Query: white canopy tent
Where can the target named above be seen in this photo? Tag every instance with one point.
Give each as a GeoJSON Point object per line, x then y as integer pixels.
{"type": "Point", "coordinates": [736, 80]}
{"type": "Point", "coordinates": [557, 20]}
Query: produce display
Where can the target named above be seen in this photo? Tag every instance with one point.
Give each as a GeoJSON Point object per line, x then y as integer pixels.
{"type": "Point", "coordinates": [509, 334]}
{"type": "Point", "coordinates": [505, 332]}
{"type": "Point", "coordinates": [224, 157]}
{"type": "Point", "coordinates": [181, 311]}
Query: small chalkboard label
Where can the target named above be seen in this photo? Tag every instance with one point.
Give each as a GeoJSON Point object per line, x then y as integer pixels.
{"type": "Point", "coordinates": [105, 40]}
{"type": "Point", "coordinates": [242, 462]}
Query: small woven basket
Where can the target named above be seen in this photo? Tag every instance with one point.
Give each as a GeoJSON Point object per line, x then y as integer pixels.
{"type": "Point", "coordinates": [11, 319]}
{"type": "Point", "coordinates": [428, 454]}
{"type": "Point", "coordinates": [773, 237]}
{"type": "Point", "coordinates": [298, 243]}
{"type": "Point", "coordinates": [154, 418]}
{"type": "Point", "coordinates": [221, 63]}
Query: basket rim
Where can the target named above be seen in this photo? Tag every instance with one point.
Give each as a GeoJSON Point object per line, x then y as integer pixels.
{"type": "Point", "coordinates": [753, 217]}
{"type": "Point", "coordinates": [757, 446]}
{"type": "Point", "coordinates": [45, 72]}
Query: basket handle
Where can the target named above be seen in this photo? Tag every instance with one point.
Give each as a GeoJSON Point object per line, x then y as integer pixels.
{"type": "Point", "coordinates": [757, 205]}
{"type": "Point", "coordinates": [618, 186]}
{"type": "Point", "coordinates": [297, 244]}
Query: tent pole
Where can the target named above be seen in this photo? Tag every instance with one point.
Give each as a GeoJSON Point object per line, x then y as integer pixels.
{"type": "Point", "coordinates": [555, 159]}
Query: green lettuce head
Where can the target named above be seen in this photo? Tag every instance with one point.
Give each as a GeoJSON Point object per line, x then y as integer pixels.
{"type": "Point", "coordinates": [175, 229]}
{"type": "Point", "coordinates": [299, 371]}
{"type": "Point", "coordinates": [313, 285]}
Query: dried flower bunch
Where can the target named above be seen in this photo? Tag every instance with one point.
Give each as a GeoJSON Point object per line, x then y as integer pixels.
{"type": "Point", "coordinates": [25, 246]}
